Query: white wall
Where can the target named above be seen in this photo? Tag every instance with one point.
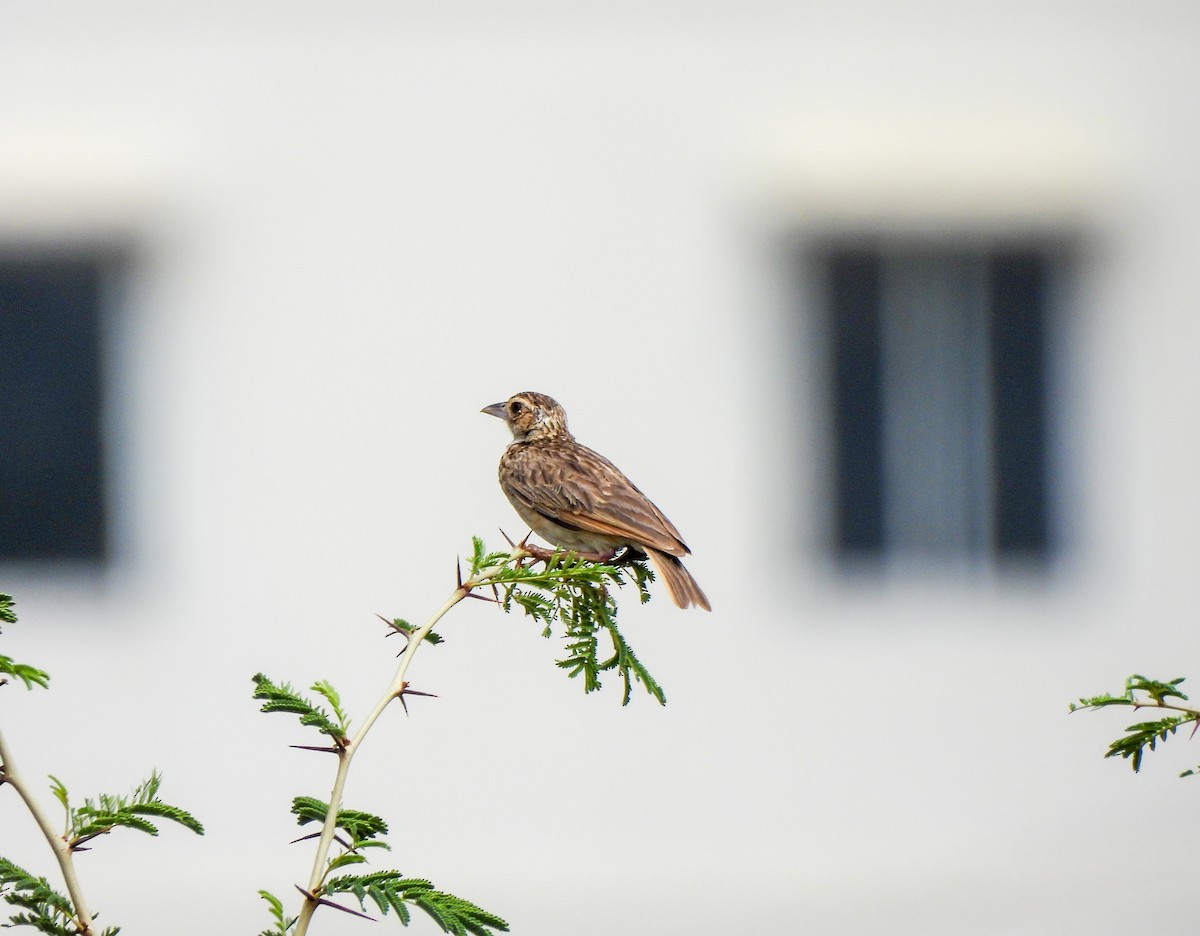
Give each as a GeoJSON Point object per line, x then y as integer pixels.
{"type": "Point", "coordinates": [360, 225]}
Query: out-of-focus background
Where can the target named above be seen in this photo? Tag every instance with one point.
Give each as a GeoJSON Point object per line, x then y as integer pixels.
{"type": "Point", "coordinates": [892, 308]}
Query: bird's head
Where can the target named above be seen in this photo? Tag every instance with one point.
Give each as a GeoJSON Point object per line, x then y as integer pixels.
{"type": "Point", "coordinates": [531, 417]}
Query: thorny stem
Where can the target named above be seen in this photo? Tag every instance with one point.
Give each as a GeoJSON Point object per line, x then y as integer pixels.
{"type": "Point", "coordinates": [1195, 713]}
{"type": "Point", "coordinates": [346, 753]}
{"type": "Point", "coordinates": [58, 843]}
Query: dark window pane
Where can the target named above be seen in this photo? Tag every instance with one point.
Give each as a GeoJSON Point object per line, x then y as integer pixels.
{"type": "Point", "coordinates": [854, 284]}
{"type": "Point", "coordinates": [1018, 299]}
{"type": "Point", "coordinates": [52, 477]}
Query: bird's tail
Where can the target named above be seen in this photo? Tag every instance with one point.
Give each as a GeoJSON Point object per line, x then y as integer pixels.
{"type": "Point", "coordinates": [683, 588]}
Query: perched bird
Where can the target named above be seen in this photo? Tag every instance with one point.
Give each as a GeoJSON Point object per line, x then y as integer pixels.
{"type": "Point", "coordinates": [579, 500]}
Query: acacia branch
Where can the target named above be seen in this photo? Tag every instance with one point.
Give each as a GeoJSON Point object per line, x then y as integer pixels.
{"type": "Point", "coordinates": [1155, 703]}
{"type": "Point", "coordinates": [346, 753]}
{"type": "Point", "coordinates": [58, 843]}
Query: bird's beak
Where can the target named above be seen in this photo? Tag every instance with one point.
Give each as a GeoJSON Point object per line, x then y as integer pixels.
{"type": "Point", "coordinates": [497, 410]}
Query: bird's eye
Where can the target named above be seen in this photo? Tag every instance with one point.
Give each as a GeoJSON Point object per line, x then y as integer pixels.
{"type": "Point", "coordinates": [517, 406]}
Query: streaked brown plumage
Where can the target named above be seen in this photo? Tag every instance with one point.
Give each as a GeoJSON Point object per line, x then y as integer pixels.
{"type": "Point", "coordinates": [577, 499]}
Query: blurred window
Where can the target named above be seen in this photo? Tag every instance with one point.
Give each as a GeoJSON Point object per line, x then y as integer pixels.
{"type": "Point", "coordinates": [52, 456]}
{"type": "Point", "coordinates": [938, 373]}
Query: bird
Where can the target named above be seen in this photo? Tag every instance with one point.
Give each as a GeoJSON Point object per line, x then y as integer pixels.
{"type": "Point", "coordinates": [578, 500]}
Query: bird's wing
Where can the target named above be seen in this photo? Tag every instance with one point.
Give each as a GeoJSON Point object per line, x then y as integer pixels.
{"type": "Point", "coordinates": [574, 486]}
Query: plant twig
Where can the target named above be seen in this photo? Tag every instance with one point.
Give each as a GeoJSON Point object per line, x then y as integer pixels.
{"type": "Point", "coordinates": [346, 754]}
{"type": "Point", "coordinates": [58, 843]}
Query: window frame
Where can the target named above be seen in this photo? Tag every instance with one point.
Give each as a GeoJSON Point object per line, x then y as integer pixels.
{"type": "Point", "coordinates": [851, 528]}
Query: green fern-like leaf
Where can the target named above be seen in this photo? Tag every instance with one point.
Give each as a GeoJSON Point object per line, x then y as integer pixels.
{"type": "Point", "coordinates": [643, 575]}
{"type": "Point", "coordinates": [626, 663]}
{"type": "Point", "coordinates": [1142, 692]}
{"type": "Point", "coordinates": [163, 810]}
{"type": "Point", "coordinates": [361, 826]}
{"type": "Point", "coordinates": [477, 551]}
{"type": "Point", "coordinates": [45, 909]}
{"type": "Point", "coordinates": [345, 859]}
{"type": "Point", "coordinates": [1158, 691]}
{"type": "Point", "coordinates": [578, 596]}
{"type": "Point", "coordinates": [280, 923]}
{"type": "Point", "coordinates": [1143, 736]}
{"type": "Point", "coordinates": [30, 675]}
{"type": "Point", "coordinates": [536, 605]}
{"type": "Point", "coordinates": [582, 640]}
{"type": "Point", "coordinates": [99, 823]}
{"type": "Point", "coordinates": [482, 559]}
{"type": "Point", "coordinates": [383, 888]}
{"type": "Point", "coordinates": [106, 812]}
{"type": "Point", "coordinates": [1152, 689]}
{"type": "Point", "coordinates": [335, 702]}
{"type": "Point", "coordinates": [60, 793]}
{"type": "Point", "coordinates": [284, 698]}
{"type": "Point", "coordinates": [390, 891]}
